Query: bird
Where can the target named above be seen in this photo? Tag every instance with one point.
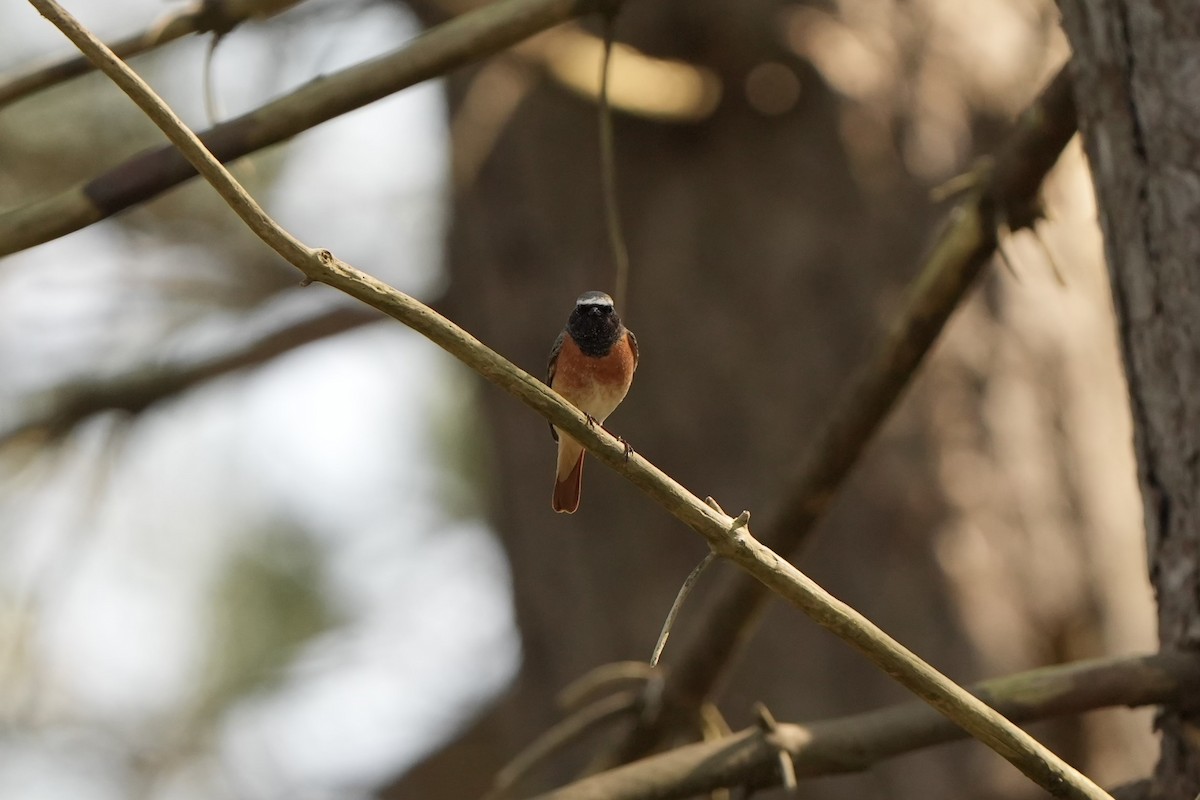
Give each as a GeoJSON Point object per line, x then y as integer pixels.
{"type": "Point", "coordinates": [591, 365]}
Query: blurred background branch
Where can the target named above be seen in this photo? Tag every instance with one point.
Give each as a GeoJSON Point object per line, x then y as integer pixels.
{"type": "Point", "coordinates": [203, 16]}
{"type": "Point", "coordinates": [459, 41]}
{"type": "Point", "coordinates": [749, 757]}
{"type": "Point", "coordinates": [261, 340]}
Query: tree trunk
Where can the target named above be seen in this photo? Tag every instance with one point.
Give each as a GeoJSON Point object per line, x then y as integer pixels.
{"type": "Point", "coordinates": [1138, 87]}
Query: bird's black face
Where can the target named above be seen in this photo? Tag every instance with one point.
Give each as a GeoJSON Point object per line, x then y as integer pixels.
{"type": "Point", "coordinates": [594, 324]}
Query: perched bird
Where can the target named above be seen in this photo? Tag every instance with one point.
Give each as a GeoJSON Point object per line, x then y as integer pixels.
{"type": "Point", "coordinates": [591, 365]}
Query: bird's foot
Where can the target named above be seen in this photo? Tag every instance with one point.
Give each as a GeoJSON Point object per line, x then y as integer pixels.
{"type": "Point", "coordinates": [628, 447]}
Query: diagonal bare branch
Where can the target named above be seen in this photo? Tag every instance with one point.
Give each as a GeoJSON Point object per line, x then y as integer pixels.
{"type": "Point", "coordinates": [727, 539]}
{"type": "Point", "coordinates": [855, 743]}
{"type": "Point", "coordinates": [1003, 191]}
{"type": "Point", "coordinates": [448, 46]}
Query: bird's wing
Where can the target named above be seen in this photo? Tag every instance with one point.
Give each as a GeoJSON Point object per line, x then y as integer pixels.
{"type": "Point", "coordinates": [552, 367]}
{"type": "Point", "coordinates": [632, 346]}
{"type": "Point", "coordinates": [552, 363]}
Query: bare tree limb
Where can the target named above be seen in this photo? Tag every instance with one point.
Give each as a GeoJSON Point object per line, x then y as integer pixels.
{"type": "Point", "coordinates": [203, 16]}
{"type": "Point", "coordinates": [1002, 192]}
{"type": "Point", "coordinates": [729, 541]}
{"type": "Point", "coordinates": [854, 743]}
{"type": "Point", "coordinates": [452, 44]}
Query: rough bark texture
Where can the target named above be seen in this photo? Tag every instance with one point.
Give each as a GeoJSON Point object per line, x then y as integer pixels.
{"type": "Point", "coordinates": [763, 267]}
{"type": "Point", "coordinates": [1138, 89]}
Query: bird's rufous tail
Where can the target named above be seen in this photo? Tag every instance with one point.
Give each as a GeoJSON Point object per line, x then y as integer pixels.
{"type": "Point", "coordinates": [568, 479]}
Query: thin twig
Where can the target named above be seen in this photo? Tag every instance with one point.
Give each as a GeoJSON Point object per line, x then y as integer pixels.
{"type": "Point", "coordinates": [1028, 755]}
{"type": "Point", "coordinates": [858, 742]}
{"type": "Point", "coordinates": [608, 174]}
{"type": "Point", "coordinates": [666, 90]}
{"type": "Point", "coordinates": [603, 680]}
{"type": "Point", "coordinates": [639, 85]}
{"type": "Point", "coordinates": [684, 591]}
{"type": "Point", "coordinates": [212, 111]}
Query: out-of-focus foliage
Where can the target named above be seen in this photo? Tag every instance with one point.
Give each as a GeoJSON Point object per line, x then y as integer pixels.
{"type": "Point", "coordinates": [269, 601]}
{"type": "Point", "coordinates": [245, 587]}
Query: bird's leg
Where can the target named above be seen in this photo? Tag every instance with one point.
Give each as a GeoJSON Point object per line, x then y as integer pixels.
{"type": "Point", "coordinates": [593, 422]}
{"type": "Point", "coordinates": [628, 447]}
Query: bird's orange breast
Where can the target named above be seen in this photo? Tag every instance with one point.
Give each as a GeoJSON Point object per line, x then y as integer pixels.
{"type": "Point", "coordinates": [594, 384]}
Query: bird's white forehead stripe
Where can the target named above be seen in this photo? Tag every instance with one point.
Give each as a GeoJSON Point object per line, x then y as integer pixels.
{"type": "Point", "coordinates": [596, 299]}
